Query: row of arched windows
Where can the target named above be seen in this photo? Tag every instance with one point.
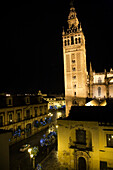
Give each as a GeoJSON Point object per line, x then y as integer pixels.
{"type": "Point", "coordinates": [72, 41]}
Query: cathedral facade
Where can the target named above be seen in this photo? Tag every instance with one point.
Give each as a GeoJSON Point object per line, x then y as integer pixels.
{"type": "Point", "coordinates": [79, 84]}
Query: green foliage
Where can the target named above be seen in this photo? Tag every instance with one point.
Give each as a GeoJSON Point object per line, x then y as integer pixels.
{"type": "Point", "coordinates": [35, 151]}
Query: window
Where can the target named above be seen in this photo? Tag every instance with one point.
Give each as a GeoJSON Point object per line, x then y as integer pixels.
{"type": "Point", "coordinates": [75, 86]}
{"type": "Point", "coordinates": [79, 40]}
{"type": "Point", "coordinates": [75, 93]}
{"type": "Point", "coordinates": [81, 136]}
{"type": "Point", "coordinates": [35, 112]}
{"type": "Point", "coordinates": [74, 77]}
{"type": "Point", "coordinates": [99, 91]}
{"type": "Point", "coordinates": [27, 100]}
{"type": "Point", "coordinates": [72, 40]}
{"type": "Point", "coordinates": [65, 43]}
{"type": "Point", "coordinates": [73, 61]}
{"type": "Point", "coordinates": [75, 40]}
{"type": "Point", "coordinates": [40, 109]}
{"type": "Point", "coordinates": [27, 114]}
{"type": "Point", "coordinates": [73, 69]}
{"type": "Point", "coordinates": [110, 140]}
{"type": "Point", "coordinates": [1, 121]}
{"type": "Point", "coordinates": [99, 80]}
{"type": "Point", "coordinates": [18, 117]}
{"type": "Point", "coordinates": [10, 118]}
{"type": "Point", "coordinates": [68, 42]}
{"type": "Point", "coordinates": [10, 102]}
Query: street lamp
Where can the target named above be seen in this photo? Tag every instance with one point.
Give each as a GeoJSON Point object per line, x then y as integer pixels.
{"type": "Point", "coordinates": [56, 126]}
{"type": "Point", "coordinates": [33, 152]}
{"type": "Point", "coordinates": [31, 155]}
{"type": "Point", "coordinates": [29, 150]}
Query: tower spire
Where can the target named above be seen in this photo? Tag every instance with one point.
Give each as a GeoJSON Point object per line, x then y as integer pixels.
{"type": "Point", "coordinates": [90, 67]}
{"type": "Point", "coordinates": [80, 27]}
{"type": "Point", "coordinates": [63, 32]}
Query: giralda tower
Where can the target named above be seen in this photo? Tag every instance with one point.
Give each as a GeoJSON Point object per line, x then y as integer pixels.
{"type": "Point", "coordinates": [75, 71]}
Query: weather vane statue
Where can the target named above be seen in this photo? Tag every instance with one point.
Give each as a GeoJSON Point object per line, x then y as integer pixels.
{"type": "Point", "coordinates": [72, 3]}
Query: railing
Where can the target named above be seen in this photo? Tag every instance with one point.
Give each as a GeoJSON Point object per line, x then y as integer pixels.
{"type": "Point", "coordinates": [79, 146]}
{"type": "Point", "coordinates": [20, 120]}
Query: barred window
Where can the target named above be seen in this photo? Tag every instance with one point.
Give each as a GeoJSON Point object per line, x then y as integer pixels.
{"type": "Point", "coordinates": [81, 136]}
{"type": "Point", "coordinates": [110, 140]}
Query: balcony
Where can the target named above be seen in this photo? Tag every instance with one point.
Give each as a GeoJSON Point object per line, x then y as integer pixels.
{"type": "Point", "coordinates": [80, 146]}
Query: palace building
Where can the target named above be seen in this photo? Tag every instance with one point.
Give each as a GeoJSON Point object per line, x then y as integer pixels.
{"type": "Point", "coordinates": [23, 115]}
{"type": "Point", "coordinates": [85, 138]}
{"type": "Point", "coordinates": [79, 84]}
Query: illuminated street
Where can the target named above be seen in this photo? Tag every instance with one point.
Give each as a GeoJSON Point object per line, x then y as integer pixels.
{"type": "Point", "coordinates": [21, 160]}
{"type": "Point", "coordinates": [52, 162]}
{"type": "Point", "coordinates": [56, 90]}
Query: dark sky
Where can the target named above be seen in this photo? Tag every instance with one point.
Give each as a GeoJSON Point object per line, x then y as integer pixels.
{"type": "Point", "coordinates": [31, 42]}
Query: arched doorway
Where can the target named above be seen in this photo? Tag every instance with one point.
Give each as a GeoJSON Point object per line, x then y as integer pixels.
{"type": "Point", "coordinates": [81, 164]}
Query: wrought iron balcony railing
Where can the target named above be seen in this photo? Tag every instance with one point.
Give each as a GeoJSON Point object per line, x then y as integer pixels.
{"type": "Point", "coordinates": [80, 146]}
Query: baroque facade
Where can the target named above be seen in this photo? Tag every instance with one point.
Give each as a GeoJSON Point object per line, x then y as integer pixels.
{"type": "Point", "coordinates": [78, 83]}
{"type": "Point", "coordinates": [86, 142]}
{"type": "Point", "coordinates": [23, 115]}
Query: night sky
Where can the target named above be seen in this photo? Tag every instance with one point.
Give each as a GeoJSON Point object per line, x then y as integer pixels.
{"type": "Point", "coordinates": [31, 42]}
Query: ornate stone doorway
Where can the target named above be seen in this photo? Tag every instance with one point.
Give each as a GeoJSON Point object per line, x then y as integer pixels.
{"type": "Point", "coordinates": [81, 163]}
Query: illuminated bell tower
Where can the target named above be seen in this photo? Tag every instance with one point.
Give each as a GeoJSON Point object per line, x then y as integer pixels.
{"type": "Point", "coordinates": [75, 72]}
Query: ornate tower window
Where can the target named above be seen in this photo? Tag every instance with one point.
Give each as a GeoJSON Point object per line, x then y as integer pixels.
{"type": "Point", "coordinates": [65, 42]}
{"type": "Point", "coordinates": [99, 91]}
{"type": "Point", "coordinates": [99, 80]}
{"type": "Point", "coordinates": [72, 40]}
{"type": "Point", "coordinates": [68, 42]}
{"type": "Point", "coordinates": [75, 40]}
{"type": "Point", "coordinates": [79, 40]}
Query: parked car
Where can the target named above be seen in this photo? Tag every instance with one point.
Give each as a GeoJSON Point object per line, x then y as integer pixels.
{"type": "Point", "coordinates": [24, 147]}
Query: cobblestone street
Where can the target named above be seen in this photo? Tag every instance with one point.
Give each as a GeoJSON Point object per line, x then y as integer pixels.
{"type": "Point", "coordinates": [51, 162]}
